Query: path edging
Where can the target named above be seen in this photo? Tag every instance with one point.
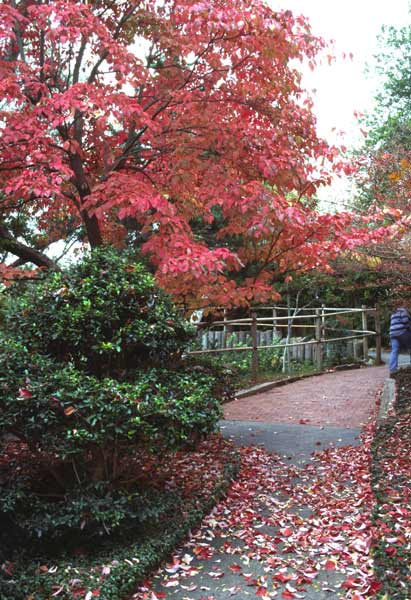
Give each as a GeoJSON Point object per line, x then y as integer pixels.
{"type": "Point", "coordinates": [387, 399]}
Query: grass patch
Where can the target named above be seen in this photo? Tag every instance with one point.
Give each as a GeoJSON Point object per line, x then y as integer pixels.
{"type": "Point", "coordinates": [111, 570]}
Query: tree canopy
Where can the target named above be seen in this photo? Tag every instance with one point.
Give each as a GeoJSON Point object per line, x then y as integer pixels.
{"type": "Point", "coordinates": [384, 177]}
{"type": "Point", "coordinates": [177, 127]}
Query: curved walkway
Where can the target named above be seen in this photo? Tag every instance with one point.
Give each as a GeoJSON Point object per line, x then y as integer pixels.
{"type": "Point", "coordinates": [337, 399]}
{"type": "Point", "coordinates": [292, 518]}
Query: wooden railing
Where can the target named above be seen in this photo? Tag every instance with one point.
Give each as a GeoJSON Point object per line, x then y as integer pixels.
{"type": "Point", "coordinates": [315, 320]}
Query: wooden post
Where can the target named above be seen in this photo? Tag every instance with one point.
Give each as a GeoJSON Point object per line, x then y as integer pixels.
{"type": "Point", "coordinates": [275, 331]}
{"type": "Point", "coordinates": [225, 329]}
{"type": "Point", "coordinates": [254, 344]}
{"type": "Point", "coordinates": [364, 327]}
{"type": "Point", "coordinates": [319, 349]}
{"type": "Point", "coordinates": [324, 346]}
{"type": "Point", "coordinates": [378, 360]}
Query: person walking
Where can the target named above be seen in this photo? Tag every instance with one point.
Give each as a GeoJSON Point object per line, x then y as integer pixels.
{"type": "Point", "coordinates": [400, 335]}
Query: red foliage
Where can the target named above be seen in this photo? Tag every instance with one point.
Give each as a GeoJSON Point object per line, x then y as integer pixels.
{"type": "Point", "coordinates": [165, 115]}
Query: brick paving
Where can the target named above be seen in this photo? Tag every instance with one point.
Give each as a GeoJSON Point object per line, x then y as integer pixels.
{"type": "Point", "coordinates": [338, 399]}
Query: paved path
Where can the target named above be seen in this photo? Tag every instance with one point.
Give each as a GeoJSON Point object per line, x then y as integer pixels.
{"type": "Point", "coordinates": [293, 443]}
{"type": "Point", "coordinates": [293, 421]}
{"type": "Point", "coordinates": [338, 399]}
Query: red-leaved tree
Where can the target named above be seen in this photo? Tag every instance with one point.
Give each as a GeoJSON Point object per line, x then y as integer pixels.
{"type": "Point", "coordinates": [180, 127]}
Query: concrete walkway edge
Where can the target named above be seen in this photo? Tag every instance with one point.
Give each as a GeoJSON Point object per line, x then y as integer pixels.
{"type": "Point", "coordinates": [387, 399]}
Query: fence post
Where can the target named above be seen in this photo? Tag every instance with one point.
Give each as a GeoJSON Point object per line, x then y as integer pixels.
{"type": "Point", "coordinates": [254, 344]}
{"type": "Point", "coordinates": [378, 360]}
{"type": "Point", "coordinates": [275, 332]}
{"type": "Point", "coordinates": [225, 329]}
{"type": "Point", "coordinates": [319, 349]}
{"type": "Point", "coordinates": [365, 328]}
{"type": "Point", "coordinates": [323, 313]}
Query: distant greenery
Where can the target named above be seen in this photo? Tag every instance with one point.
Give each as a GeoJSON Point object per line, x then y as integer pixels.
{"type": "Point", "coordinates": [386, 149]}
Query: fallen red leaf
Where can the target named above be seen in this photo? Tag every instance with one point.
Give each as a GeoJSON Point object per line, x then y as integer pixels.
{"type": "Point", "coordinates": [349, 583]}
{"type": "Point", "coordinates": [287, 532]}
{"type": "Point", "coordinates": [287, 594]}
{"type": "Point", "coordinates": [282, 577]}
{"type": "Point", "coordinates": [235, 568]}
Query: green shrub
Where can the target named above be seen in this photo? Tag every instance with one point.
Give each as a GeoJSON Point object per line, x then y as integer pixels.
{"type": "Point", "coordinates": [91, 378]}
{"type": "Point", "coordinates": [105, 314]}
{"type": "Point", "coordinates": [112, 568]}
{"type": "Point", "coordinates": [78, 433]}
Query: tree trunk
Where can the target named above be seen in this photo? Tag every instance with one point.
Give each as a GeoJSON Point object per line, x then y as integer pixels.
{"type": "Point", "coordinates": [80, 181]}
{"type": "Point", "coordinates": [93, 230]}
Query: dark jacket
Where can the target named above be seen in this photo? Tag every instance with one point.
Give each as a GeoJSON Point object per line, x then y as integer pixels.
{"type": "Point", "coordinates": [400, 328]}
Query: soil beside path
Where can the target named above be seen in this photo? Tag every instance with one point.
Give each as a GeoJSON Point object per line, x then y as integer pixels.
{"type": "Point", "coordinates": [338, 399]}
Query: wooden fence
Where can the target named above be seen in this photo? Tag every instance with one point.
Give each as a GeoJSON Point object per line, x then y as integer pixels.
{"type": "Point", "coordinates": [258, 332]}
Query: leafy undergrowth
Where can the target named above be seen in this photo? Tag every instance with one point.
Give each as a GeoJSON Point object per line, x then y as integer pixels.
{"type": "Point", "coordinates": [108, 572]}
{"type": "Point", "coordinates": [283, 531]}
{"type": "Point", "coordinates": [392, 488]}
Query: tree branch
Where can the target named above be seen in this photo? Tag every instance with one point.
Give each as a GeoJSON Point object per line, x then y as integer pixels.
{"type": "Point", "coordinates": [24, 253]}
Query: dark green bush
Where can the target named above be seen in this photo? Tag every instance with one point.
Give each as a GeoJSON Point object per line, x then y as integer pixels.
{"type": "Point", "coordinates": [79, 432]}
{"type": "Point", "coordinates": [106, 315]}
{"type": "Point", "coordinates": [83, 393]}
{"type": "Point", "coordinates": [112, 569]}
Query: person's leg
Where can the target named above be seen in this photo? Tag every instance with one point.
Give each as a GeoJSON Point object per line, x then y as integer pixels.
{"type": "Point", "coordinates": [395, 349]}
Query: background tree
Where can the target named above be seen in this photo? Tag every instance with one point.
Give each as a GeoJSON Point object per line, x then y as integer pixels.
{"type": "Point", "coordinates": [167, 126]}
{"type": "Point", "coordinates": [384, 178]}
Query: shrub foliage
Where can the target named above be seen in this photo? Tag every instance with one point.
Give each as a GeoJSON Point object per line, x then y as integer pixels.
{"type": "Point", "coordinates": [105, 315]}
{"type": "Point", "coordinates": [91, 377]}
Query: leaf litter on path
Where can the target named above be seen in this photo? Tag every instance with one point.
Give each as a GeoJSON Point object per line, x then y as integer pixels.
{"type": "Point", "coordinates": [282, 531]}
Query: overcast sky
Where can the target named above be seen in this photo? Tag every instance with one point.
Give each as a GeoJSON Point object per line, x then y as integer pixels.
{"type": "Point", "coordinates": [354, 25]}
{"type": "Point", "coordinates": [343, 88]}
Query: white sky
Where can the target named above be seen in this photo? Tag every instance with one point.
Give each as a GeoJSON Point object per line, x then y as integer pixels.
{"type": "Point", "coordinates": [343, 88]}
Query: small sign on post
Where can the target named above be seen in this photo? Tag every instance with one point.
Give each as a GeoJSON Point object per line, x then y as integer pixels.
{"type": "Point", "coordinates": [378, 360]}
